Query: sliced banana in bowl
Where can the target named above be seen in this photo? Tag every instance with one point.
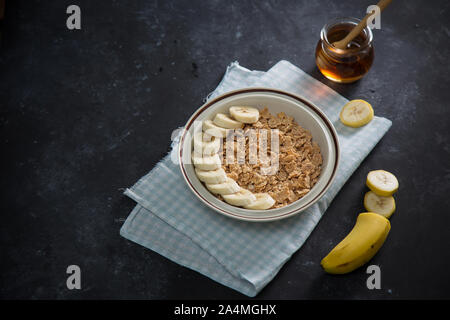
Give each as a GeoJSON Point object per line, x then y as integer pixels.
{"type": "Point", "coordinates": [204, 162]}
{"type": "Point", "coordinates": [206, 159]}
{"type": "Point", "coordinates": [245, 114]}
{"type": "Point", "coordinates": [240, 199]}
{"type": "Point", "coordinates": [210, 129]}
{"type": "Point", "coordinates": [229, 186]}
{"type": "Point", "coordinates": [211, 176]}
{"type": "Point", "coordinates": [206, 146]}
{"type": "Point", "coordinates": [237, 110]}
{"type": "Point", "coordinates": [263, 202]}
{"type": "Point", "coordinates": [224, 121]}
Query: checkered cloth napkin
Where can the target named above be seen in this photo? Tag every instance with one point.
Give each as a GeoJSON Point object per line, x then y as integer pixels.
{"type": "Point", "coordinates": [244, 256]}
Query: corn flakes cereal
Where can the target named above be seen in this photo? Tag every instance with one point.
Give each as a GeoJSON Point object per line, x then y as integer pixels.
{"type": "Point", "coordinates": [300, 160]}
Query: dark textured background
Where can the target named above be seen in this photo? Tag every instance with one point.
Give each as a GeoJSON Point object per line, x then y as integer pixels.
{"type": "Point", "coordinates": [85, 113]}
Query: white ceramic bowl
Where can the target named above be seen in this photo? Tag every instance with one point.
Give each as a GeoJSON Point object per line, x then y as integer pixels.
{"type": "Point", "coordinates": [305, 114]}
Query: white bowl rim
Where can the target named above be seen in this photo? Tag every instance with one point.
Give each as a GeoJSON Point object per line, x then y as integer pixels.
{"type": "Point", "coordinates": [228, 94]}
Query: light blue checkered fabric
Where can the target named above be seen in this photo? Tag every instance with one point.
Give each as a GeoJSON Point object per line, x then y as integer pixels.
{"type": "Point", "coordinates": [242, 255]}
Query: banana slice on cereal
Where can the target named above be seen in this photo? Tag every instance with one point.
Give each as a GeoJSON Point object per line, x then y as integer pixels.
{"type": "Point", "coordinates": [210, 129]}
{"type": "Point", "coordinates": [263, 201]}
{"type": "Point", "coordinates": [212, 176]}
{"type": "Point", "coordinates": [205, 147]}
{"type": "Point", "coordinates": [245, 114]}
{"type": "Point", "coordinates": [228, 187]}
{"type": "Point", "coordinates": [240, 199]}
{"type": "Point", "coordinates": [224, 121]}
{"type": "Point", "coordinates": [206, 163]}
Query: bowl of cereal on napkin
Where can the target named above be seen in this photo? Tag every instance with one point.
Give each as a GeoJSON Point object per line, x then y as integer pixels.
{"type": "Point", "coordinates": [258, 154]}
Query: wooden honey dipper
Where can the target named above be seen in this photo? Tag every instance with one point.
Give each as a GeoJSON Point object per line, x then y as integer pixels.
{"type": "Point", "coordinates": [342, 44]}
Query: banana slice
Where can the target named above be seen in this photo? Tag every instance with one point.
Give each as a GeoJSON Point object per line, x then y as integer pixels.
{"type": "Point", "coordinates": [378, 204]}
{"type": "Point", "coordinates": [228, 187]}
{"type": "Point", "coordinates": [206, 163]}
{"type": "Point", "coordinates": [206, 147]}
{"type": "Point", "coordinates": [224, 121]}
{"type": "Point", "coordinates": [213, 176]}
{"type": "Point", "coordinates": [263, 201]}
{"type": "Point", "coordinates": [356, 113]}
{"type": "Point", "coordinates": [245, 114]}
{"type": "Point", "coordinates": [381, 182]}
{"type": "Point", "coordinates": [240, 199]}
{"type": "Point", "coordinates": [212, 130]}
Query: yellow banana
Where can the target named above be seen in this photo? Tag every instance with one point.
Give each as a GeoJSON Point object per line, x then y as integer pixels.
{"type": "Point", "coordinates": [359, 246]}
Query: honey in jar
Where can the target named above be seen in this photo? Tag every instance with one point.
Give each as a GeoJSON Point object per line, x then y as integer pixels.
{"type": "Point", "coordinates": [344, 65]}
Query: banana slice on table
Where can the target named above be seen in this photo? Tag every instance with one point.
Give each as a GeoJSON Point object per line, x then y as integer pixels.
{"type": "Point", "coordinates": [206, 147]}
{"type": "Point", "coordinates": [263, 201]}
{"type": "Point", "coordinates": [212, 176]}
{"type": "Point", "coordinates": [381, 182]}
{"type": "Point", "coordinates": [224, 121]}
{"type": "Point", "coordinates": [245, 114]}
{"type": "Point", "coordinates": [209, 128]}
{"type": "Point", "coordinates": [240, 199]}
{"type": "Point", "coordinates": [228, 187]}
{"type": "Point", "coordinates": [356, 113]}
{"type": "Point", "coordinates": [206, 163]}
{"type": "Point", "coordinates": [384, 206]}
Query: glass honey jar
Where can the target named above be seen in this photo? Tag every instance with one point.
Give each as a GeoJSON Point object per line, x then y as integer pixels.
{"type": "Point", "coordinates": [344, 65]}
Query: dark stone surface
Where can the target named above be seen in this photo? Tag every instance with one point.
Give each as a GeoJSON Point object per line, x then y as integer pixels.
{"type": "Point", "coordinates": [85, 113]}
